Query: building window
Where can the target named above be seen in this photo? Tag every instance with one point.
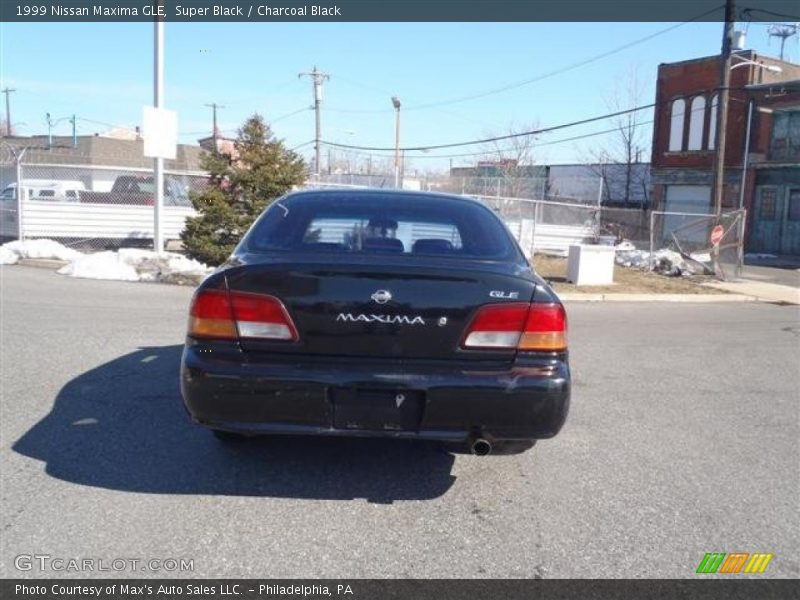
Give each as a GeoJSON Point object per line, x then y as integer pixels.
{"type": "Point", "coordinates": [696, 120]}
{"type": "Point", "coordinates": [766, 211]}
{"type": "Point", "coordinates": [712, 123]}
{"type": "Point", "coordinates": [676, 125]}
{"type": "Point", "coordinates": [785, 141]}
{"type": "Point", "coordinates": [794, 204]}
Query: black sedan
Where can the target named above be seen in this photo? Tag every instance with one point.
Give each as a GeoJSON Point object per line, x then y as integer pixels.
{"type": "Point", "coordinates": [378, 313]}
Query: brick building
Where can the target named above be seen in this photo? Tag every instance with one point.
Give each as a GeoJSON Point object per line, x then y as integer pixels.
{"type": "Point", "coordinates": [684, 140]}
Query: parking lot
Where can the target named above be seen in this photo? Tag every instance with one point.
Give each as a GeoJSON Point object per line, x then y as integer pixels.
{"type": "Point", "coordinates": [682, 439]}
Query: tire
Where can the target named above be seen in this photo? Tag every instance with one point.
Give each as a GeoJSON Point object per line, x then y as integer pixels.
{"type": "Point", "coordinates": [229, 437]}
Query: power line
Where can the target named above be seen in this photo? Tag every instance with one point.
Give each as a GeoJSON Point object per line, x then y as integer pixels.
{"type": "Point", "coordinates": [500, 137]}
{"type": "Point", "coordinates": [291, 114]}
{"type": "Point", "coordinates": [388, 93]}
{"type": "Point", "coordinates": [104, 124]}
{"type": "Point", "coordinates": [527, 133]}
{"type": "Point", "coordinates": [747, 11]}
{"type": "Point", "coordinates": [500, 150]}
{"type": "Point", "coordinates": [536, 78]}
{"type": "Point", "coordinates": [301, 145]}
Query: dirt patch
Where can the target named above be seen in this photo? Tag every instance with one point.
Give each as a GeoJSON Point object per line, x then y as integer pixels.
{"type": "Point", "coordinates": [626, 280]}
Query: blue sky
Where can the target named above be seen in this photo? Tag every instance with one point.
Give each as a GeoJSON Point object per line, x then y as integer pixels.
{"type": "Point", "coordinates": [103, 73]}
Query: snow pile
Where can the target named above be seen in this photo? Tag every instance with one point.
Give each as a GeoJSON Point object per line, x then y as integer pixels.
{"type": "Point", "coordinates": [664, 261]}
{"type": "Point", "coordinates": [40, 249]}
{"type": "Point", "coordinates": [8, 257]}
{"type": "Point", "coordinates": [102, 265]}
{"type": "Point", "coordinates": [169, 267]}
{"type": "Point", "coordinates": [625, 246]}
{"type": "Point", "coordinates": [131, 264]}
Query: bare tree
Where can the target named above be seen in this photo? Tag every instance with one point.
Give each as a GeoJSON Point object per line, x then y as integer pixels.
{"type": "Point", "coordinates": [618, 157]}
{"type": "Point", "coordinates": [4, 129]}
{"type": "Point", "coordinates": [513, 159]}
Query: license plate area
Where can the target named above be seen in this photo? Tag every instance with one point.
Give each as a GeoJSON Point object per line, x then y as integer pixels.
{"type": "Point", "coordinates": [377, 409]}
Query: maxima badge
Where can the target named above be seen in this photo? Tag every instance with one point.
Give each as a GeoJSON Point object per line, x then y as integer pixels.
{"type": "Point", "coordinates": [382, 296]}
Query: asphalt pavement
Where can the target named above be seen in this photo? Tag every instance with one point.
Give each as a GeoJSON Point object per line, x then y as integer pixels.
{"type": "Point", "coordinates": [683, 438]}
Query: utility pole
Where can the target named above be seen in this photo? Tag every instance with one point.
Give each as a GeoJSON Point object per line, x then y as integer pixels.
{"type": "Point", "coordinates": [396, 104]}
{"type": "Point", "coordinates": [214, 106]}
{"type": "Point", "coordinates": [8, 92]}
{"type": "Point", "coordinates": [722, 112]}
{"type": "Point", "coordinates": [74, 132]}
{"type": "Point", "coordinates": [722, 124]}
{"type": "Point", "coordinates": [318, 78]}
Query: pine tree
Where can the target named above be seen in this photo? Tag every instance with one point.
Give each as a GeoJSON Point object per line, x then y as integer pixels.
{"type": "Point", "coordinates": [238, 190]}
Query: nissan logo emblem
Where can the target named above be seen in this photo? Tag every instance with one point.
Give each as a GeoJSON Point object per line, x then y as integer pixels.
{"type": "Point", "coordinates": [382, 296]}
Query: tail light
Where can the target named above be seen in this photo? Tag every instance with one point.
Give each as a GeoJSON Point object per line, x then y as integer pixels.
{"type": "Point", "coordinates": [211, 315]}
{"type": "Point", "coordinates": [229, 315]}
{"type": "Point", "coordinates": [531, 327]}
{"type": "Point", "coordinates": [545, 329]}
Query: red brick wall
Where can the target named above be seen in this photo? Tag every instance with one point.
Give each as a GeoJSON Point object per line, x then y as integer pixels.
{"type": "Point", "coordinates": [702, 76]}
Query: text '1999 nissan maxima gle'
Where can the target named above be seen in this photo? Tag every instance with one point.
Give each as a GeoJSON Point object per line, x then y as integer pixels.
{"type": "Point", "coordinates": [378, 313]}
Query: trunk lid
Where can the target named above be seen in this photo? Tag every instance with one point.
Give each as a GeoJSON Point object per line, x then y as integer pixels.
{"type": "Point", "coordinates": [400, 311]}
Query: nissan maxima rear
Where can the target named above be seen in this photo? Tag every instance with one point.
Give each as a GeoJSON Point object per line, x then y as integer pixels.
{"type": "Point", "coordinates": [378, 313]}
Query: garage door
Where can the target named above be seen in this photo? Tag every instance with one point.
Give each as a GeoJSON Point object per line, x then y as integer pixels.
{"type": "Point", "coordinates": [688, 198]}
{"type": "Point", "coordinates": [692, 199]}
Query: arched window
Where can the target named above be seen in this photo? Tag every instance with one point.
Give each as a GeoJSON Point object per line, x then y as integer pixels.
{"type": "Point", "coordinates": [696, 120]}
{"type": "Point", "coordinates": [676, 125]}
{"type": "Point", "coordinates": [712, 123]}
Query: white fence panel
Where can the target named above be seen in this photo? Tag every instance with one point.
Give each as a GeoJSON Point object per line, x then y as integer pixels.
{"type": "Point", "coordinates": [105, 221]}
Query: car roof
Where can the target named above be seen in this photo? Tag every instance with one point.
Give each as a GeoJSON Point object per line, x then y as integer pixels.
{"type": "Point", "coordinates": [356, 192]}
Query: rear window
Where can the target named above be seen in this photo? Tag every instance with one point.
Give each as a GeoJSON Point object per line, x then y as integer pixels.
{"type": "Point", "coordinates": [381, 224]}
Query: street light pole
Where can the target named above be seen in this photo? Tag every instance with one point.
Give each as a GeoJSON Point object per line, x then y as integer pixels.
{"type": "Point", "coordinates": [49, 120]}
{"type": "Point", "coordinates": [396, 104]}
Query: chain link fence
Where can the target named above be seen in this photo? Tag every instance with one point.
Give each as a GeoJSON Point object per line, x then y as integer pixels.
{"type": "Point", "coordinates": [540, 222]}
{"type": "Point", "coordinates": [95, 207]}
{"type": "Point", "coordinates": [689, 235]}
{"type": "Point", "coordinates": [575, 190]}
{"type": "Point", "coordinates": [91, 207]}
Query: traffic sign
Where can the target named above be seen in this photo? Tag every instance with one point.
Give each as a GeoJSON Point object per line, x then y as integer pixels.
{"type": "Point", "coordinates": [716, 235]}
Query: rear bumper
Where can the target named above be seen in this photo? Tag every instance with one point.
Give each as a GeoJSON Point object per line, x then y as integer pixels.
{"type": "Point", "coordinates": [224, 389]}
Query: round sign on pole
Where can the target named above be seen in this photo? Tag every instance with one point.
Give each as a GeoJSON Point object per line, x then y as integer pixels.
{"type": "Point", "coordinates": [716, 235]}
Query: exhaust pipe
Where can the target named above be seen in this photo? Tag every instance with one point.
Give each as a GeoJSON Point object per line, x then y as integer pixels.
{"type": "Point", "coordinates": [481, 447]}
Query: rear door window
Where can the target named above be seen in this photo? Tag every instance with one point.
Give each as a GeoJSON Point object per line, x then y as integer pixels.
{"type": "Point", "coordinates": [380, 223]}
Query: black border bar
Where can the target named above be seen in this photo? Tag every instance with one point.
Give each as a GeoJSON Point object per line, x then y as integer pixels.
{"type": "Point", "coordinates": [699, 588]}
{"type": "Point", "coordinates": [66, 11]}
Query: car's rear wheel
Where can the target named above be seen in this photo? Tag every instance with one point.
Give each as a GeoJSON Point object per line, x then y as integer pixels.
{"type": "Point", "coordinates": [229, 437]}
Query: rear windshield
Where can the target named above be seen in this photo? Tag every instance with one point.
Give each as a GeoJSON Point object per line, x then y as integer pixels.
{"type": "Point", "coordinates": [381, 223]}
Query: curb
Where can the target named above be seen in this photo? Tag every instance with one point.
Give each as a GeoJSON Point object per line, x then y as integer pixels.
{"type": "Point", "coordinates": [55, 264]}
{"type": "Point", "coordinates": [684, 298]}
{"type": "Point", "coordinates": [42, 263]}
